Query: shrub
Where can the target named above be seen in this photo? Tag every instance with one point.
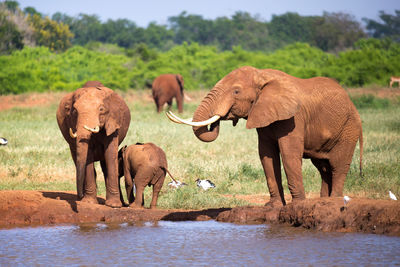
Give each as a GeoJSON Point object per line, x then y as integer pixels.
{"type": "Point", "coordinates": [370, 101]}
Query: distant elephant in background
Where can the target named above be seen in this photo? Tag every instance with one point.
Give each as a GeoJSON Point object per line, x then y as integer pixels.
{"type": "Point", "coordinates": [165, 87]}
{"type": "Point", "coordinates": [295, 118]}
{"type": "Point", "coordinates": [94, 121]}
{"type": "Point", "coordinates": [144, 165]}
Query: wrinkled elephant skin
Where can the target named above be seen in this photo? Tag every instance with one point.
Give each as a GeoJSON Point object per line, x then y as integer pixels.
{"type": "Point", "coordinates": [94, 121]}
{"type": "Point", "coordinates": [143, 165]}
{"type": "Point", "coordinates": [295, 118]}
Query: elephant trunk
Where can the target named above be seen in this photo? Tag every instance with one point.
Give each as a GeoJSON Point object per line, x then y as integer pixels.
{"type": "Point", "coordinates": [213, 104]}
{"type": "Point", "coordinates": [82, 149]}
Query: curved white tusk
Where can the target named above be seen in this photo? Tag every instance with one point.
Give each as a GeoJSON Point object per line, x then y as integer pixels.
{"type": "Point", "coordinates": [193, 123]}
{"type": "Point", "coordinates": [172, 118]}
{"type": "Point", "coordinates": [95, 130]}
{"type": "Point", "coordinates": [72, 134]}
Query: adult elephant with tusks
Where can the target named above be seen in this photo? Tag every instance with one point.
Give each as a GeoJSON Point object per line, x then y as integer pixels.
{"type": "Point", "coordinates": [295, 118]}
{"type": "Point", "coordinates": [94, 120]}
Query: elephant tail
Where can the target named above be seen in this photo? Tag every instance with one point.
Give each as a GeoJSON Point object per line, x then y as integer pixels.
{"type": "Point", "coordinates": [361, 151]}
{"type": "Point", "coordinates": [179, 82]}
{"type": "Point", "coordinates": [170, 175]}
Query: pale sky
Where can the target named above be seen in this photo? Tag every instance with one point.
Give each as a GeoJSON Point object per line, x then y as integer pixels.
{"type": "Point", "coordinates": [143, 12]}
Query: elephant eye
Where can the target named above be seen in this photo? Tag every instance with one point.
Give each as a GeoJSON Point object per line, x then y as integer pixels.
{"type": "Point", "coordinates": [236, 89]}
{"type": "Point", "coordinates": [102, 109]}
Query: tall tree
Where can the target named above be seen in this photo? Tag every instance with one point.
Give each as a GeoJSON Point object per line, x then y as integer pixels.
{"type": "Point", "coordinates": [50, 33]}
{"type": "Point", "coordinates": [121, 32]}
{"type": "Point", "coordinates": [16, 29]}
{"type": "Point", "coordinates": [291, 27]}
{"type": "Point", "coordinates": [389, 27]}
{"type": "Point", "coordinates": [10, 37]}
{"type": "Point", "coordinates": [85, 27]}
{"type": "Point", "coordinates": [191, 28]}
{"type": "Point", "coordinates": [158, 36]}
{"type": "Point", "coordinates": [31, 11]}
{"type": "Point", "coordinates": [336, 31]}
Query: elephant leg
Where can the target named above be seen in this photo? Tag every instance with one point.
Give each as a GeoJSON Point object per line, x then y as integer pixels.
{"type": "Point", "coordinates": [160, 103]}
{"type": "Point", "coordinates": [179, 103]}
{"type": "Point", "coordinates": [128, 183]}
{"type": "Point", "coordinates": [139, 198]}
{"type": "Point", "coordinates": [340, 159]}
{"type": "Point", "coordinates": [325, 170]}
{"type": "Point", "coordinates": [156, 190]}
{"type": "Point", "coordinates": [104, 170]}
{"type": "Point", "coordinates": [90, 190]}
{"type": "Point", "coordinates": [141, 179]}
{"type": "Point", "coordinates": [159, 106]}
{"type": "Point", "coordinates": [112, 184]}
{"type": "Point", "coordinates": [291, 148]}
{"type": "Point", "coordinates": [269, 156]}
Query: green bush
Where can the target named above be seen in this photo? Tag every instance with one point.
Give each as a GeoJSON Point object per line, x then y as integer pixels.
{"type": "Point", "coordinates": [370, 101]}
{"type": "Point", "coordinates": [38, 69]}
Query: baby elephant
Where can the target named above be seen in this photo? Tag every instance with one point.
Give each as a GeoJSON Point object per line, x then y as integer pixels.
{"type": "Point", "coordinates": [143, 164]}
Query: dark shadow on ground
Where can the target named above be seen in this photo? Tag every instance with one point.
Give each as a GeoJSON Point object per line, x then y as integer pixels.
{"type": "Point", "coordinates": [200, 215]}
{"type": "Point", "coordinates": [70, 198]}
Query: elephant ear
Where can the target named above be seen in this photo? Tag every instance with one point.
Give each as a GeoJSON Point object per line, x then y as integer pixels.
{"type": "Point", "coordinates": [114, 118]}
{"type": "Point", "coordinates": [278, 100]}
{"type": "Point", "coordinates": [64, 110]}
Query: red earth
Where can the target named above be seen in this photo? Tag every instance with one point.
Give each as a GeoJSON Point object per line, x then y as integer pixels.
{"type": "Point", "coordinates": [23, 208]}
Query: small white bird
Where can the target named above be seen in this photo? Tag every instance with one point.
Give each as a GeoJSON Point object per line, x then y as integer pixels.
{"type": "Point", "coordinates": [3, 141]}
{"type": "Point", "coordinates": [392, 196]}
{"type": "Point", "coordinates": [346, 199]}
{"type": "Point", "coordinates": [205, 184]}
{"type": "Point", "coordinates": [176, 184]}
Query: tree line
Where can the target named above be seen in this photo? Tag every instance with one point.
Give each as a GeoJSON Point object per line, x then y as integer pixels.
{"type": "Point", "coordinates": [38, 69]}
{"type": "Point", "coordinates": [330, 32]}
{"type": "Point", "coordinates": [39, 53]}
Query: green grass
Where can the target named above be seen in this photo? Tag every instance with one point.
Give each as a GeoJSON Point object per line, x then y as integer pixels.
{"type": "Point", "coordinates": [38, 158]}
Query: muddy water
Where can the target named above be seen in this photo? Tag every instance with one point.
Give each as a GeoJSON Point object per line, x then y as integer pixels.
{"type": "Point", "coordinates": [192, 244]}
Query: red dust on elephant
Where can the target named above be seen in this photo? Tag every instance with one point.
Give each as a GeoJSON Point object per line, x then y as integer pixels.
{"type": "Point", "coordinates": [165, 88]}
{"type": "Point", "coordinates": [94, 120]}
{"type": "Point", "coordinates": [295, 118]}
{"type": "Point", "coordinates": [144, 165]}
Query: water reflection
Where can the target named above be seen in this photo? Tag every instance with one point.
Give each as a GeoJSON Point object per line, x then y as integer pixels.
{"type": "Point", "coordinates": [192, 243]}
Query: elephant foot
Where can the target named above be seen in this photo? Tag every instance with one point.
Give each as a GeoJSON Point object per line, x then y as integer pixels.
{"type": "Point", "coordinates": [153, 207]}
{"type": "Point", "coordinates": [298, 199]}
{"type": "Point", "coordinates": [90, 199]}
{"type": "Point", "coordinates": [273, 204]}
{"type": "Point", "coordinates": [113, 203]}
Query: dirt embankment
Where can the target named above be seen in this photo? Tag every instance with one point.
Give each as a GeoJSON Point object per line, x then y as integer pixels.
{"type": "Point", "coordinates": [19, 208]}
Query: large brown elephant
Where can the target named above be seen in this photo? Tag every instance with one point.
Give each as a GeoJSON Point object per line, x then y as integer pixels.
{"type": "Point", "coordinates": [295, 118]}
{"type": "Point", "coordinates": [143, 165]}
{"type": "Point", "coordinates": [165, 87]}
{"type": "Point", "coordinates": [94, 121]}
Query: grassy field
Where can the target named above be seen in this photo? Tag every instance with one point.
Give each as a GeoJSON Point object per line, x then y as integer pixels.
{"type": "Point", "coordinates": [37, 157]}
